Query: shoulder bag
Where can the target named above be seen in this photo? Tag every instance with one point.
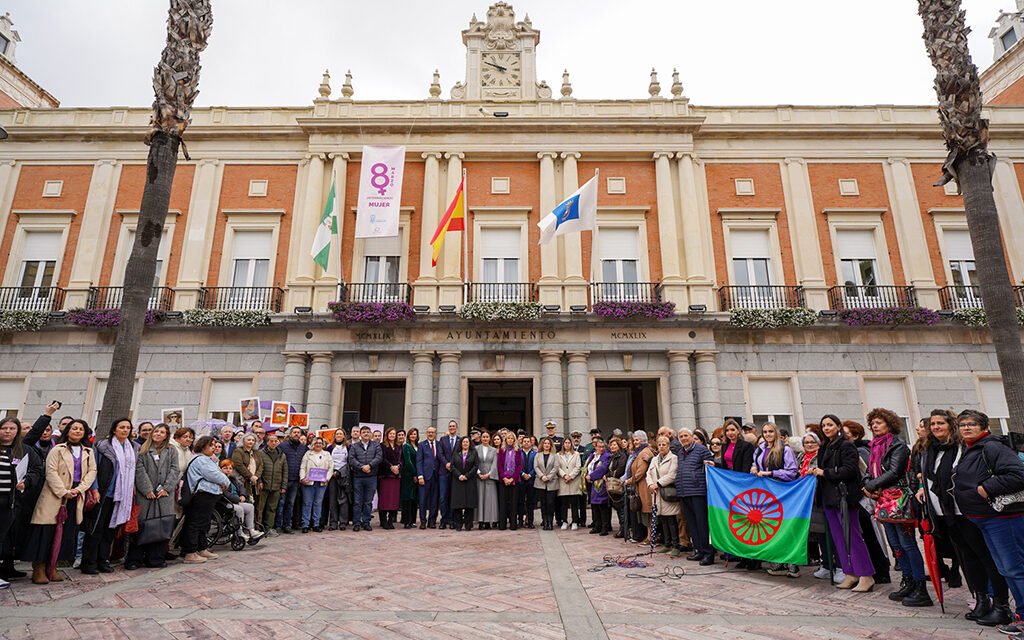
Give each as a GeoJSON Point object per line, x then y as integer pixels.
{"type": "Point", "coordinates": [896, 504]}
{"type": "Point", "coordinates": [1012, 501]}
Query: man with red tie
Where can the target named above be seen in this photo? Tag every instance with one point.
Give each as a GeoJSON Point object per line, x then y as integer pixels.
{"type": "Point", "coordinates": [429, 466]}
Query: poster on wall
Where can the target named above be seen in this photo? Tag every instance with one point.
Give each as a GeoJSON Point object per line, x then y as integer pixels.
{"type": "Point", "coordinates": [380, 192]}
{"type": "Point", "coordinates": [172, 417]}
{"type": "Point", "coordinates": [250, 409]}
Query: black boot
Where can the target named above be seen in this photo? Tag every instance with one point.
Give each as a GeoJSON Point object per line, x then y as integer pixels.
{"type": "Point", "coordinates": [919, 596]}
{"type": "Point", "coordinates": [906, 588]}
{"type": "Point", "coordinates": [982, 607]}
{"type": "Point", "coordinates": [8, 572]}
{"type": "Point", "coordinates": [997, 615]}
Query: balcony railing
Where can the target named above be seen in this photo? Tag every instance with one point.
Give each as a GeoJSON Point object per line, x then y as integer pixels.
{"type": "Point", "coordinates": [160, 299]}
{"type": "Point", "coordinates": [31, 298]}
{"type": "Point", "coordinates": [242, 298]}
{"type": "Point", "coordinates": [960, 297]}
{"type": "Point", "coordinates": [871, 296]}
{"type": "Point", "coordinates": [761, 297]}
{"type": "Point", "coordinates": [500, 292]}
{"type": "Point", "coordinates": [625, 292]}
{"type": "Point", "coordinates": [375, 292]}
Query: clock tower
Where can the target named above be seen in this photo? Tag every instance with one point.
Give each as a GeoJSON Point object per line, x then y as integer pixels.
{"type": "Point", "coordinates": [501, 58]}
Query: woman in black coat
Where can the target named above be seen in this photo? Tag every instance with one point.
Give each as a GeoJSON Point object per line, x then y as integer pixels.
{"type": "Point", "coordinates": [464, 493]}
{"type": "Point", "coordinates": [14, 455]}
{"type": "Point", "coordinates": [737, 453]}
{"type": "Point", "coordinates": [617, 469]}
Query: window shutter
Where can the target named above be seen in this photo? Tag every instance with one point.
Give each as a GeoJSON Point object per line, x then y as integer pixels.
{"type": "Point", "coordinates": [887, 394]}
{"type": "Point", "coordinates": [750, 243]}
{"type": "Point", "coordinates": [42, 245]}
{"type": "Point", "coordinates": [225, 394]}
{"type": "Point", "coordinates": [11, 394]}
{"type": "Point", "coordinates": [500, 242]}
{"type": "Point", "coordinates": [390, 246]}
{"type": "Point", "coordinates": [774, 397]}
{"type": "Point", "coordinates": [252, 244]}
{"type": "Point", "coordinates": [993, 400]}
{"type": "Point", "coordinates": [958, 244]}
{"type": "Point", "coordinates": [619, 244]}
{"type": "Point", "coordinates": [858, 243]}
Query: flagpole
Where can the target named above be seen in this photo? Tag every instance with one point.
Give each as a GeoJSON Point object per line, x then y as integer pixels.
{"type": "Point", "coordinates": [465, 239]}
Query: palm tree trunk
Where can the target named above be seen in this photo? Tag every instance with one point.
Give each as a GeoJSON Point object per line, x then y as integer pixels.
{"type": "Point", "coordinates": [969, 163]}
{"type": "Point", "coordinates": [175, 83]}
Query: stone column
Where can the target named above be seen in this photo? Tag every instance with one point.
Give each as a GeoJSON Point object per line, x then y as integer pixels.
{"type": "Point", "coordinates": [326, 289]}
{"type": "Point", "coordinates": [906, 212]}
{"type": "Point", "coordinates": [319, 403]}
{"type": "Point", "coordinates": [680, 389]}
{"type": "Point", "coordinates": [451, 290]}
{"type": "Point", "coordinates": [448, 389]}
{"type": "Point", "coordinates": [579, 392]}
{"type": "Point", "coordinates": [202, 215]}
{"type": "Point", "coordinates": [9, 173]}
{"type": "Point", "coordinates": [92, 239]}
{"type": "Point", "coordinates": [1011, 215]}
{"type": "Point", "coordinates": [422, 395]}
{"type": "Point", "coordinates": [803, 233]}
{"type": "Point", "coordinates": [552, 406]}
{"type": "Point", "coordinates": [709, 408]}
{"type": "Point", "coordinates": [571, 245]}
{"type": "Point", "coordinates": [693, 231]}
{"type": "Point", "coordinates": [674, 284]}
{"type": "Point", "coordinates": [550, 287]}
{"type": "Point", "coordinates": [293, 388]}
{"type": "Point", "coordinates": [425, 287]}
{"type": "Point", "coordinates": [304, 226]}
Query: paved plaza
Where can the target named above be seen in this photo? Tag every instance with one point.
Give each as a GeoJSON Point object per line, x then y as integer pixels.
{"type": "Point", "coordinates": [433, 585]}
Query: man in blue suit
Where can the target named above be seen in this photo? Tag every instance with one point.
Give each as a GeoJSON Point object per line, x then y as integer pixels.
{"type": "Point", "coordinates": [428, 471]}
{"type": "Point", "coordinates": [449, 443]}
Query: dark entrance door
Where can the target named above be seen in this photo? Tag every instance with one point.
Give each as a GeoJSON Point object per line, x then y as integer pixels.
{"type": "Point", "coordinates": [501, 404]}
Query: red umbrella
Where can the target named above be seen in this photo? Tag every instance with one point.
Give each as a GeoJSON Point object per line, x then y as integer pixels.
{"type": "Point", "coordinates": [931, 554]}
{"type": "Point", "coordinates": [58, 534]}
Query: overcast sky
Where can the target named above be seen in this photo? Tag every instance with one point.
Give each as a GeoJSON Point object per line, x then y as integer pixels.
{"type": "Point", "coordinates": [273, 52]}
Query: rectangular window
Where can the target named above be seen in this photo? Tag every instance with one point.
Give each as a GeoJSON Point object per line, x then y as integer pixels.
{"type": "Point", "coordinates": [225, 395]}
{"type": "Point", "coordinates": [889, 393]}
{"type": "Point", "coordinates": [500, 264]}
{"type": "Point", "coordinates": [11, 397]}
{"type": "Point", "coordinates": [97, 399]}
{"type": "Point", "coordinates": [251, 253]}
{"type": "Point", "coordinates": [960, 256]}
{"type": "Point", "coordinates": [993, 403]}
{"type": "Point", "coordinates": [39, 264]}
{"type": "Point", "coordinates": [1009, 39]}
{"type": "Point", "coordinates": [4, 43]}
{"type": "Point", "coordinates": [619, 250]}
{"type": "Point", "coordinates": [859, 263]}
{"type": "Point", "coordinates": [161, 259]}
{"type": "Point", "coordinates": [771, 400]}
{"type": "Point", "coordinates": [382, 259]}
{"type": "Point", "coordinates": [751, 257]}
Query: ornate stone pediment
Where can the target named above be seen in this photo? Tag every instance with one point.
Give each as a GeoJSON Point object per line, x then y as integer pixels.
{"type": "Point", "coordinates": [501, 32]}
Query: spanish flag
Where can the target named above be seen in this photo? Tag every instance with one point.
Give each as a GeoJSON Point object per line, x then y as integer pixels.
{"type": "Point", "coordinates": [453, 220]}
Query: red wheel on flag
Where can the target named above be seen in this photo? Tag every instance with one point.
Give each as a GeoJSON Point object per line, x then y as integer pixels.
{"type": "Point", "coordinates": [755, 516]}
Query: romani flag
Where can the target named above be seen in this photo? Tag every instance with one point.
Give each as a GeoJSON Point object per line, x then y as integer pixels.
{"type": "Point", "coordinates": [328, 227]}
{"type": "Point", "coordinates": [759, 518]}
{"type": "Point", "coordinates": [453, 220]}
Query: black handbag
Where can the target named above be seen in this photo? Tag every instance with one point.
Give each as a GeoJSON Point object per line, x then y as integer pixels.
{"type": "Point", "coordinates": [156, 529]}
{"type": "Point", "coordinates": [669, 494]}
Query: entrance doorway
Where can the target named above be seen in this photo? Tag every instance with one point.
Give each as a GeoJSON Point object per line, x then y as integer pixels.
{"type": "Point", "coordinates": [627, 405]}
{"type": "Point", "coordinates": [376, 401]}
{"type": "Point", "coordinates": [501, 404]}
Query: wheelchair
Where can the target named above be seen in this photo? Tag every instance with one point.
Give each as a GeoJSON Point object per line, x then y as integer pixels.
{"type": "Point", "coordinates": [226, 527]}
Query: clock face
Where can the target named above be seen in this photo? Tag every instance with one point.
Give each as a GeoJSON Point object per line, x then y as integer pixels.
{"type": "Point", "coordinates": [501, 70]}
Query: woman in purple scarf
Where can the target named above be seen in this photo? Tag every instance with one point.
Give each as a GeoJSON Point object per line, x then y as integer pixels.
{"type": "Point", "coordinates": [887, 467]}
{"type": "Point", "coordinates": [115, 457]}
{"type": "Point", "coordinates": [510, 470]}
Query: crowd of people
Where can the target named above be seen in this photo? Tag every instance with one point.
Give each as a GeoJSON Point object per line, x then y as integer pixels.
{"type": "Point", "coordinates": [146, 494]}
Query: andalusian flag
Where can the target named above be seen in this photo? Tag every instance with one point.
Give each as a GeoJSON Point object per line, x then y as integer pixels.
{"type": "Point", "coordinates": [321, 250]}
{"type": "Point", "coordinates": [453, 220]}
{"type": "Point", "coordinates": [759, 518]}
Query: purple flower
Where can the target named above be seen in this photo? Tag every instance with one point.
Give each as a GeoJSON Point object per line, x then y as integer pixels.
{"type": "Point", "coordinates": [625, 310]}
{"type": "Point", "coordinates": [104, 318]}
{"type": "Point", "coordinates": [371, 312]}
{"type": "Point", "coordinates": [889, 316]}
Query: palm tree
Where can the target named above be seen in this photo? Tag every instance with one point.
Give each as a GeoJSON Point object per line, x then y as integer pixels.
{"type": "Point", "coordinates": [970, 164]}
{"type": "Point", "coordinates": [176, 84]}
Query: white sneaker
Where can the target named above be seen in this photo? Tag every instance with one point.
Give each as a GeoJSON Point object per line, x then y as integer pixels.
{"type": "Point", "coordinates": [839, 577]}
{"type": "Point", "coordinates": [256, 535]}
{"type": "Point", "coordinates": [574, 527]}
{"type": "Point", "coordinates": [77, 563]}
{"type": "Point", "coordinates": [565, 525]}
{"type": "Point", "coordinates": [821, 573]}
{"type": "Point", "coordinates": [4, 584]}
{"type": "Point", "coordinates": [244, 534]}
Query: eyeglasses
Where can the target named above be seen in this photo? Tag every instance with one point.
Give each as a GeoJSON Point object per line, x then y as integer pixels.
{"type": "Point", "coordinates": [716, 443]}
{"type": "Point", "coordinates": [969, 425]}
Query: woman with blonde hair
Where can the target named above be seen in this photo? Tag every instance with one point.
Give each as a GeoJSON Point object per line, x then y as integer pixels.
{"type": "Point", "coordinates": [569, 467]}
{"type": "Point", "coordinates": [156, 478]}
{"type": "Point", "coordinates": [775, 459]}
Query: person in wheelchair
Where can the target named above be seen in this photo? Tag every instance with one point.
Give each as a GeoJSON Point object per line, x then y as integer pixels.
{"type": "Point", "coordinates": [240, 502]}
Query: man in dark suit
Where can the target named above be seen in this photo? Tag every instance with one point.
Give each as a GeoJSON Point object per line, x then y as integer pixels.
{"type": "Point", "coordinates": [227, 439]}
{"type": "Point", "coordinates": [364, 458]}
{"type": "Point", "coordinates": [429, 464]}
{"type": "Point", "coordinates": [448, 443]}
